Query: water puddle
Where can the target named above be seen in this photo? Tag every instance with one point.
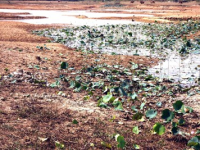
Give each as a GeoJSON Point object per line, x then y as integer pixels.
{"type": "Point", "coordinates": [182, 69]}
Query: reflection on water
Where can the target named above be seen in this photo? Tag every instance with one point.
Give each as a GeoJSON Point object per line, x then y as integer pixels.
{"type": "Point", "coordinates": [185, 70]}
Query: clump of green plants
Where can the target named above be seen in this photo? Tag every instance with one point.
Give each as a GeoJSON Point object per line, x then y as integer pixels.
{"type": "Point", "coordinates": [163, 41]}
{"type": "Point", "coordinates": [141, 39]}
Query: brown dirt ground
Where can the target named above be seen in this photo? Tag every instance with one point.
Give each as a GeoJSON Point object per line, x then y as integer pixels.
{"type": "Point", "coordinates": [34, 116]}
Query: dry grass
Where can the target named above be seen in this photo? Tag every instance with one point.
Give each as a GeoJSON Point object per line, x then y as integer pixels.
{"type": "Point", "coordinates": [16, 31]}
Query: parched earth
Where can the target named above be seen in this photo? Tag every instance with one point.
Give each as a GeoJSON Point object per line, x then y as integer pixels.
{"type": "Point", "coordinates": [36, 116]}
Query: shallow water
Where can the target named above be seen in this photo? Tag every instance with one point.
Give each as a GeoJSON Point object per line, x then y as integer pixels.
{"type": "Point", "coordinates": [68, 17]}
{"type": "Point", "coordinates": [185, 70]}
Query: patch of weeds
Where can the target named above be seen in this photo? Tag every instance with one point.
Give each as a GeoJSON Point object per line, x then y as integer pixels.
{"type": "Point", "coordinates": [43, 47]}
{"type": "Point", "coordinates": [6, 70]}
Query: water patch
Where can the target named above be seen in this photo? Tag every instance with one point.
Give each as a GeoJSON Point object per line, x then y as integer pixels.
{"type": "Point", "coordinates": [68, 17]}
{"type": "Point", "coordinates": [183, 69]}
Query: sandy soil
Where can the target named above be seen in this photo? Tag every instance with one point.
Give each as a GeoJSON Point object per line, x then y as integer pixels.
{"type": "Point", "coordinates": [35, 117]}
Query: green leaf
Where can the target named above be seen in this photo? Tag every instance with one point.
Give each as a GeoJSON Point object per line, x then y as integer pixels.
{"type": "Point", "coordinates": [118, 105]}
{"type": "Point", "coordinates": [87, 97]}
{"type": "Point", "coordinates": [82, 42]}
{"type": "Point", "coordinates": [135, 146]}
{"type": "Point", "coordinates": [107, 145]}
{"type": "Point", "coordinates": [64, 65]}
{"type": "Point", "coordinates": [198, 131]}
{"type": "Point", "coordinates": [188, 44]}
{"type": "Point", "coordinates": [134, 66]}
{"type": "Point", "coordinates": [134, 96]}
{"type": "Point", "coordinates": [59, 145]}
{"type": "Point", "coordinates": [193, 142]}
{"type": "Point", "coordinates": [197, 147]}
{"type": "Point", "coordinates": [125, 84]}
{"type": "Point", "coordinates": [37, 67]}
{"type": "Point", "coordinates": [55, 84]}
{"type": "Point", "coordinates": [181, 121]}
{"type": "Point", "coordinates": [92, 144]}
{"type": "Point", "coordinates": [136, 130]}
{"type": "Point", "coordinates": [97, 84]}
{"type": "Point", "coordinates": [102, 105]}
{"type": "Point", "coordinates": [175, 130]}
{"type": "Point", "coordinates": [187, 109]}
{"type": "Point", "coordinates": [178, 105]}
{"type": "Point", "coordinates": [174, 124]}
{"type": "Point", "coordinates": [75, 121]}
{"type": "Point", "coordinates": [134, 108]}
{"type": "Point", "coordinates": [159, 104]}
{"type": "Point", "coordinates": [72, 84]}
{"type": "Point", "coordinates": [121, 142]}
{"type": "Point", "coordinates": [107, 98]}
{"type": "Point", "coordinates": [148, 77]}
{"type": "Point", "coordinates": [142, 106]}
{"type": "Point", "coordinates": [159, 128]}
{"type": "Point", "coordinates": [77, 84]}
{"type": "Point", "coordinates": [122, 92]}
{"type": "Point", "coordinates": [130, 33]}
{"type": "Point", "coordinates": [167, 115]}
{"type": "Point", "coordinates": [78, 78]}
{"type": "Point", "coordinates": [151, 113]}
{"type": "Point", "coordinates": [137, 116]}
{"type": "Point", "coordinates": [78, 89]}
